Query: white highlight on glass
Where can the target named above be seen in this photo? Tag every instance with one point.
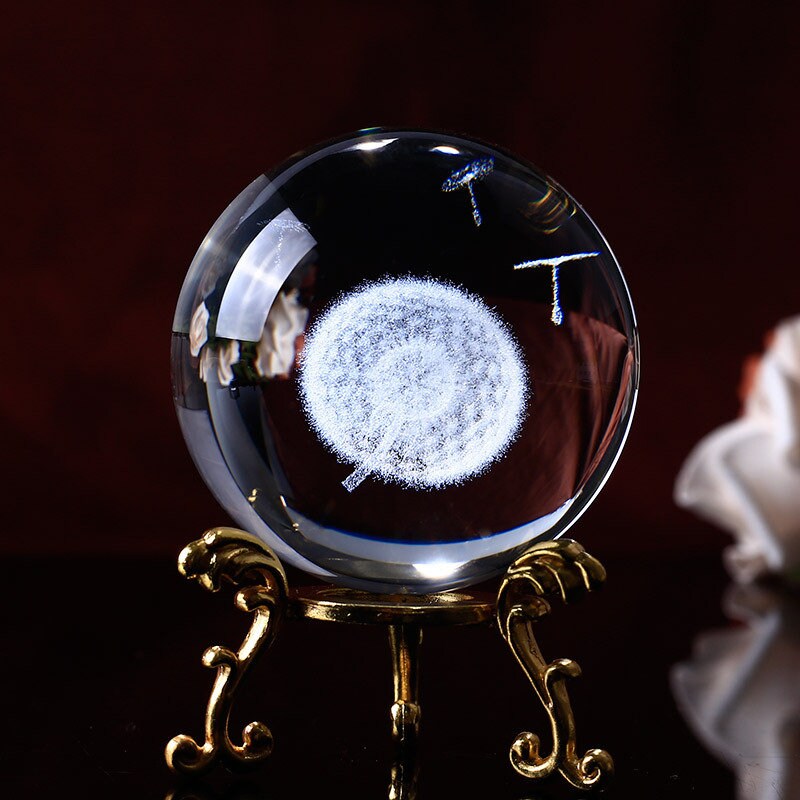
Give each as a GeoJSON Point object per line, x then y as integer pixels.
{"type": "Point", "coordinates": [557, 315]}
{"type": "Point", "coordinates": [437, 570]}
{"type": "Point", "coordinates": [372, 144]}
{"type": "Point", "coordinates": [414, 382]}
{"type": "Point", "coordinates": [258, 276]}
{"type": "Point", "coordinates": [465, 177]}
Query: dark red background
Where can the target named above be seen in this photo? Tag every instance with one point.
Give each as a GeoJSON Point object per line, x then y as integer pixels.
{"type": "Point", "coordinates": [130, 126]}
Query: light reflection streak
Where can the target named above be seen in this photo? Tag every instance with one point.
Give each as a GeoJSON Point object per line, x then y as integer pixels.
{"type": "Point", "coordinates": [437, 569]}
{"type": "Point", "coordinates": [259, 274]}
{"type": "Point", "coordinates": [372, 144]}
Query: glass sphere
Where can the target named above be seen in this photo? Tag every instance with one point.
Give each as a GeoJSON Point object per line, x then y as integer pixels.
{"type": "Point", "coordinates": [402, 357]}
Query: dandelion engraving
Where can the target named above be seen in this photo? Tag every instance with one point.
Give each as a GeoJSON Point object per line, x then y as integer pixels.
{"type": "Point", "coordinates": [557, 315]}
{"type": "Point", "coordinates": [413, 381]}
{"type": "Point", "coordinates": [465, 177]}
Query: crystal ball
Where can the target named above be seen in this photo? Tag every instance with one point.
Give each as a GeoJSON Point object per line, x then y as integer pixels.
{"type": "Point", "coordinates": [403, 357]}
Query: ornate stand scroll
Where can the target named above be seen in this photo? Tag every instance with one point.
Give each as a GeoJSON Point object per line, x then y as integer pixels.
{"type": "Point", "coordinates": [229, 555]}
{"type": "Point", "coordinates": [561, 568]}
{"type": "Point", "coordinates": [564, 569]}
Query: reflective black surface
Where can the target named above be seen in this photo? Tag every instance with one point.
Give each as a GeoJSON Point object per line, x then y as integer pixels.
{"type": "Point", "coordinates": [102, 666]}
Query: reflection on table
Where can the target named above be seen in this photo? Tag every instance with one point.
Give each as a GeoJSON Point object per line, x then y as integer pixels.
{"type": "Point", "coordinates": [740, 691]}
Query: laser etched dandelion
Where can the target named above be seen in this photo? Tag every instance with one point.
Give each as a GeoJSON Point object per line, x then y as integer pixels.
{"type": "Point", "coordinates": [414, 382]}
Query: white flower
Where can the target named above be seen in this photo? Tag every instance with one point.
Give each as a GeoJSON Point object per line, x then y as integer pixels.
{"type": "Point", "coordinates": [275, 352]}
{"type": "Point", "coordinates": [227, 357]}
{"type": "Point", "coordinates": [219, 361]}
{"type": "Point", "coordinates": [198, 329]}
{"type": "Point", "coordinates": [745, 476]}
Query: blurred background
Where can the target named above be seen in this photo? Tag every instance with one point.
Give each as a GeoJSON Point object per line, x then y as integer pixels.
{"type": "Point", "coordinates": [129, 127]}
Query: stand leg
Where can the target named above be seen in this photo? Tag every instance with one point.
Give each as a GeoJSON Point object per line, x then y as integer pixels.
{"type": "Point", "coordinates": [405, 640]}
{"type": "Point", "coordinates": [232, 556]}
{"type": "Point", "coordinates": [562, 568]}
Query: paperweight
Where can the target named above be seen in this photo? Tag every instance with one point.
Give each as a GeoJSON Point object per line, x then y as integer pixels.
{"type": "Point", "coordinates": [404, 362]}
{"type": "Point", "coordinates": [403, 357]}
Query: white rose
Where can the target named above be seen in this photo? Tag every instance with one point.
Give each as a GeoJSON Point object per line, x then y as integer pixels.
{"type": "Point", "coordinates": [227, 357]}
{"type": "Point", "coordinates": [219, 361]}
{"type": "Point", "coordinates": [275, 352]}
{"type": "Point", "coordinates": [745, 477]}
{"type": "Point", "coordinates": [198, 329]}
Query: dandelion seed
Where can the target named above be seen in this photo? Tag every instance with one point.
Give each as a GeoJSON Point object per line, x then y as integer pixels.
{"type": "Point", "coordinates": [557, 316]}
{"type": "Point", "coordinates": [465, 177]}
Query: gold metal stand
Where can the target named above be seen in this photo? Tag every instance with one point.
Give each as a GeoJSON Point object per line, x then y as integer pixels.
{"type": "Point", "coordinates": [227, 555]}
{"type": "Point", "coordinates": [561, 569]}
{"type": "Point", "coordinates": [551, 569]}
